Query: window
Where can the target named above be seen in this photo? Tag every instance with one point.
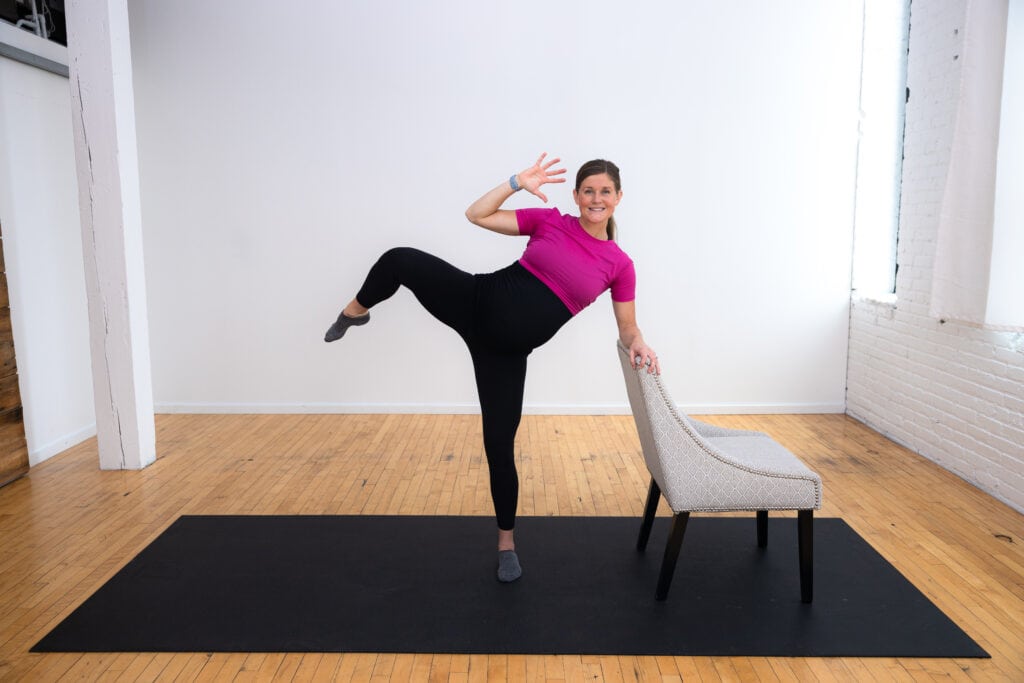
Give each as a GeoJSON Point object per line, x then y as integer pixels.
{"type": "Point", "coordinates": [1006, 282]}
{"type": "Point", "coordinates": [880, 147]}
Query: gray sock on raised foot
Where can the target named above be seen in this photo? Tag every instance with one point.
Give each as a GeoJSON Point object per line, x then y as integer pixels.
{"type": "Point", "coordinates": [341, 325]}
{"type": "Point", "coordinates": [508, 566]}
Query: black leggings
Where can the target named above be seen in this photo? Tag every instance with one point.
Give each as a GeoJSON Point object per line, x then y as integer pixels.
{"type": "Point", "coordinates": [502, 317]}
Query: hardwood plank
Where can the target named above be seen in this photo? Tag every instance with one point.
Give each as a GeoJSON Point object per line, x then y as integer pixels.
{"type": "Point", "coordinates": [13, 447]}
{"type": "Point", "coordinates": [307, 667]}
{"type": "Point", "coordinates": [6, 340]}
{"type": "Point", "coordinates": [191, 666]}
{"type": "Point", "coordinates": [440, 668]}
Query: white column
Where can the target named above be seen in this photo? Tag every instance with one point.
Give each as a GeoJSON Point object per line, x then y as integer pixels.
{"type": "Point", "coordinates": [103, 114]}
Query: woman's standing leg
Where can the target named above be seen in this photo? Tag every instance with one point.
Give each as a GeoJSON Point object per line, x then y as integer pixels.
{"type": "Point", "coordinates": [516, 312]}
{"type": "Point", "coordinates": [500, 380]}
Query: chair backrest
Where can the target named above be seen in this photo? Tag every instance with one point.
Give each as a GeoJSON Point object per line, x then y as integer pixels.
{"type": "Point", "coordinates": [690, 472]}
{"type": "Point", "coordinates": [687, 460]}
{"type": "Point", "coordinates": [641, 417]}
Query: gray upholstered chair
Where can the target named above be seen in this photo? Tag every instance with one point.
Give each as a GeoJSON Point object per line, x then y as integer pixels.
{"type": "Point", "coordinates": [700, 467]}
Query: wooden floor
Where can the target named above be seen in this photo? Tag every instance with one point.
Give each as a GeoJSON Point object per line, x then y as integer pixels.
{"type": "Point", "coordinates": [67, 527]}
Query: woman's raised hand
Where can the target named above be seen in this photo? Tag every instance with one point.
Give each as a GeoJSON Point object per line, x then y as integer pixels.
{"type": "Point", "coordinates": [539, 174]}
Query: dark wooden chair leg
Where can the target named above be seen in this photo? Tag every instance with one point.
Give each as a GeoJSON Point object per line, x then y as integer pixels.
{"type": "Point", "coordinates": [762, 528]}
{"type": "Point", "coordinates": [653, 496]}
{"type": "Point", "coordinates": [668, 564]}
{"type": "Point", "coordinates": [805, 535]}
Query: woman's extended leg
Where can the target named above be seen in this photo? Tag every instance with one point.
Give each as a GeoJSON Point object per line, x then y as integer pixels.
{"type": "Point", "coordinates": [445, 291]}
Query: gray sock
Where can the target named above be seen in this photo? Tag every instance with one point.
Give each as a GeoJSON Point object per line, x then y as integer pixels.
{"type": "Point", "coordinates": [508, 566]}
{"type": "Point", "coordinates": [341, 325]}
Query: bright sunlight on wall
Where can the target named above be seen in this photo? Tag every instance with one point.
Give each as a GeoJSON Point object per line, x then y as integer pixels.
{"type": "Point", "coordinates": [880, 148]}
{"type": "Point", "coordinates": [1006, 282]}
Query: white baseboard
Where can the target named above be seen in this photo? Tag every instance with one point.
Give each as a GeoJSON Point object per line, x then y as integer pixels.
{"type": "Point", "coordinates": [764, 409]}
{"type": "Point", "coordinates": [60, 445]}
{"type": "Point", "coordinates": [473, 408]}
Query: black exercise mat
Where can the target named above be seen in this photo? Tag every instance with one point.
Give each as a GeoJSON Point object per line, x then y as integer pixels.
{"type": "Point", "coordinates": [426, 584]}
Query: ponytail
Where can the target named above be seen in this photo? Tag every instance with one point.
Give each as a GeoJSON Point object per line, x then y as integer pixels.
{"type": "Point", "coordinates": [611, 228]}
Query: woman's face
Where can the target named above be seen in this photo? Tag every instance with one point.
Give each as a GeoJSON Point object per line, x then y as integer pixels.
{"type": "Point", "coordinates": [597, 199]}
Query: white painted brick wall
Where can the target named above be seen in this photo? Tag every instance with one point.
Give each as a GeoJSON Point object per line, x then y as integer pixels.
{"type": "Point", "coordinates": [950, 392]}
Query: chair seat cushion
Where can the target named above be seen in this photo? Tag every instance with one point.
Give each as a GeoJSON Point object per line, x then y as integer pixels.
{"type": "Point", "coordinates": [741, 473]}
{"type": "Point", "coordinates": [761, 454]}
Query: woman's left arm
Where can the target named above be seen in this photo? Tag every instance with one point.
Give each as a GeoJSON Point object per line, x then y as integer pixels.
{"type": "Point", "coordinates": [629, 334]}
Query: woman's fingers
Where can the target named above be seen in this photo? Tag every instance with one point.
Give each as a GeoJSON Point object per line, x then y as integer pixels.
{"type": "Point", "coordinates": [552, 163]}
{"type": "Point", "coordinates": [550, 175]}
{"type": "Point", "coordinates": [646, 357]}
{"type": "Point", "coordinates": [544, 168]}
{"type": "Point", "coordinates": [539, 174]}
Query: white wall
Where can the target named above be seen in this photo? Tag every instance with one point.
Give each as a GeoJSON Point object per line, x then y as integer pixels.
{"type": "Point", "coordinates": [282, 150]}
{"type": "Point", "coordinates": [948, 391]}
{"type": "Point", "coordinates": [43, 252]}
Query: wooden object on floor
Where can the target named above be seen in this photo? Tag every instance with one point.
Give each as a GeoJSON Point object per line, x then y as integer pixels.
{"type": "Point", "coordinates": [68, 527]}
{"type": "Point", "coordinates": [13, 447]}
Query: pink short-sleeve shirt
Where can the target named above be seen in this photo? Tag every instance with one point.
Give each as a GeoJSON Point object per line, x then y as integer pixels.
{"type": "Point", "coordinates": [575, 265]}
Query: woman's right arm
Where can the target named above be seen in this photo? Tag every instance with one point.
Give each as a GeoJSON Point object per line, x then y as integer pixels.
{"type": "Point", "coordinates": [487, 212]}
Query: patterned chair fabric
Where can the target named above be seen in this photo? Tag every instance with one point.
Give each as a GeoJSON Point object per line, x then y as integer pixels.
{"type": "Point", "coordinates": [700, 467]}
